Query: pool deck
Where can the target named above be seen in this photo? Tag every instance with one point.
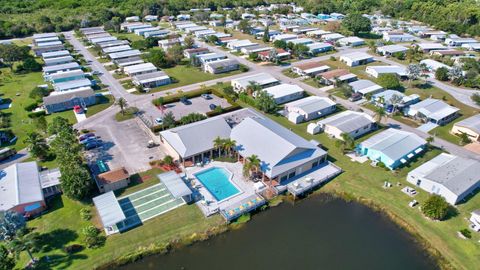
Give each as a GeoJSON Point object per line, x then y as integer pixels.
{"type": "Point", "coordinates": [207, 203]}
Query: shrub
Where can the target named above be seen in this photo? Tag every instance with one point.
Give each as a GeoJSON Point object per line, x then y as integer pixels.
{"type": "Point", "coordinates": [92, 237]}
{"type": "Point", "coordinates": [435, 207]}
{"type": "Point", "coordinates": [30, 107]}
{"type": "Point", "coordinates": [71, 249]}
{"type": "Point", "coordinates": [85, 214]}
{"type": "Point", "coordinates": [168, 160]}
{"type": "Point", "coordinates": [243, 68]}
{"type": "Point", "coordinates": [389, 81]}
{"type": "Point", "coordinates": [467, 233]}
{"type": "Point", "coordinates": [441, 74]}
{"type": "Point", "coordinates": [37, 114]}
{"type": "Point", "coordinates": [38, 93]}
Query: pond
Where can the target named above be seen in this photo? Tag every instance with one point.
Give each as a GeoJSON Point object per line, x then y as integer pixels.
{"type": "Point", "coordinates": [320, 232]}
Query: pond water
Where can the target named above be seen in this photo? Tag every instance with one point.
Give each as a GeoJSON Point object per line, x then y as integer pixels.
{"type": "Point", "coordinates": [319, 232]}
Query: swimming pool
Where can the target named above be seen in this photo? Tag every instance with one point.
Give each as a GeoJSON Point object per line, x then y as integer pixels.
{"type": "Point", "coordinates": [217, 181]}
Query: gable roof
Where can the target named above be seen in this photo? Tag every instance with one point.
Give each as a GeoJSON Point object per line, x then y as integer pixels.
{"type": "Point", "coordinates": [434, 108]}
{"type": "Point", "coordinates": [112, 176]}
{"type": "Point", "coordinates": [348, 121]}
{"type": "Point", "coordinates": [472, 123]}
{"type": "Point", "coordinates": [278, 148]}
{"type": "Point", "coordinates": [185, 139]}
{"type": "Point", "coordinates": [455, 173]}
{"type": "Point", "coordinates": [311, 104]}
{"type": "Point", "coordinates": [19, 184]}
{"type": "Point", "coordinates": [394, 143]}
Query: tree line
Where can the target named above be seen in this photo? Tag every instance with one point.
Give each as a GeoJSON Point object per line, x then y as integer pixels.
{"type": "Point", "coordinates": [22, 18]}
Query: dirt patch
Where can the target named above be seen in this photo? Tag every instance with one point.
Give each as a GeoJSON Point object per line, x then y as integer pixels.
{"type": "Point", "coordinates": [474, 147]}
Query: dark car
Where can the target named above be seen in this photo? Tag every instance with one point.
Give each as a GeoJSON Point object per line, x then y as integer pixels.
{"type": "Point", "coordinates": [85, 136]}
{"type": "Point", "coordinates": [185, 101]}
{"type": "Point", "coordinates": [88, 140]}
{"type": "Point", "coordinates": [355, 97]}
{"type": "Point", "coordinates": [212, 106]}
{"type": "Point", "coordinates": [92, 145]}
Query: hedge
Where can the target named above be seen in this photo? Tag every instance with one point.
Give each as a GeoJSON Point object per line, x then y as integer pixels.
{"type": "Point", "coordinates": [30, 107]}
{"type": "Point", "coordinates": [37, 114]}
{"type": "Point", "coordinates": [232, 108]}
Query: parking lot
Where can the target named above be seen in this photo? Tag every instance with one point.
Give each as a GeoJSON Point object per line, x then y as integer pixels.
{"type": "Point", "coordinates": [124, 145]}
{"type": "Point", "coordinates": [198, 105]}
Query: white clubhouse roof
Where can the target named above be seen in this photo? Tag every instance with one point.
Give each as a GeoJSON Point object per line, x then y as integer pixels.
{"type": "Point", "coordinates": [311, 104]}
{"type": "Point", "coordinates": [20, 184]}
{"type": "Point", "coordinates": [472, 123]}
{"type": "Point", "coordinates": [278, 148]}
{"type": "Point", "coordinates": [433, 108]}
{"type": "Point", "coordinates": [283, 90]}
{"type": "Point", "coordinates": [348, 121]}
{"type": "Point", "coordinates": [365, 86]}
{"type": "Point", "coordinates": [109, 209]}
{"type": "Point", "coordinates": [185, 139]}
{"type": "Point", "coordinates": [455, 173]}
{"type": "Point", "coordinates": [394, 143]}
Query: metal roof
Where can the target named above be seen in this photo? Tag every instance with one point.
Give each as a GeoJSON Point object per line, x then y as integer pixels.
{"type": "Point", "coordinates": [185, 139]}
{"type": "Point", "coordinates": [47, 55]}
{"type": "Point", "coordinates": [109, 209]}
{"type": "Point", "coordinates": [50, 178]}
{"type": "Point", "coordinates": [125, 54]}
{"type": "Point", "coordinates": [260, 78]}
{"type": "Point", "coordinates": [63, 86]}
{"type": "Point", "coordinates": [394, 143]}
{"type": "Point", "coordinates": [174, 184]}
{"type": "Point", "coordinates": [52, 69]}
{"type": "Point", "coordinates": [66, 74]}
{"type": "Point", "coordinates": [311, 104]}
{"type": "Point", "coordinates": [278, 148]}
{"type": "Point", "coordinates": [434, 108]}
{"type": "Point", "coordinates": [139, 68]}
{"type": "Point", "coordinates": [55, 60]}
{"type": "Point", "coordinates": [457, 174]}
{"type": "Point", "coordinates": [283, 89]}
{"type": "Point", "coordinates": [348, 121]}
{"type": "Point", "coordinates": [59, 97]}
{"type": "Point", "coordinates": [365, 86]}
{"type": "Point", "coordinates": [19, 184]}
{"type": "Point", "coordinates": [119, 48]}
{"type": "Point", "coordinates": [150, 77]}
{"type": "Point", "coordinates": [472, 123]}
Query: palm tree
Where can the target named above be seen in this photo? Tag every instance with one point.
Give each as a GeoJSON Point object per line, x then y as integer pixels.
{"type": "Point", "coordinates": [218, 143]}
{"type": "Point", "coordinates": [36, 145]}
{"type": "Point", "coordinates": [122, 103]}
{"type": "Point", "coordinates": [228, 145]}
{"type": "Point", "coordinates": [25, 242]}
{"type": "Point", "coordinates": [253, 163]}
{"type": "Point", "coordinates": [379, 114]}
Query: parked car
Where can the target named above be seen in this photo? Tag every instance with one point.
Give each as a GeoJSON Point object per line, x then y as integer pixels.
{"type": "Point", "coordinates": [78, 109]}
{"type": "Point", "coordinates": [92, 145]}
{"type": "Point", "coordinates": [355, 97]}
{"type": "Point", "coordinates": [212, 106]}
{"type": "Point", "coordinates": [206, 96]}
{"type": "Point", "coordinates": [85, 136]}
{"type": "Point", "coordinates": [89, 140]}
{"type": "Point", "coordinates": [159, 120]}
{"type": "Point", "coordinates": [185, 101]}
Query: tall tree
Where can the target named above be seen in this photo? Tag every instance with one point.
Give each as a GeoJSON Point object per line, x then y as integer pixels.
{"type": "Point", "coordinates": [244, 26]}
{"type": "Point", "coordinates": [169, 120]}
{"type": "Point", "coordinates": [7, 262]}
{"type": "Point", "coordinates": [265, 102]}
{"type": "Point", "coordinates": [380, 114]}
{"type": "Point", "coordinates": [122, 103]}
{"type": "Point", "coordinates": [75, 182]}
{"type": "Point", "coordinates": [36, 145]}
{"type": "Point", "coordinates": [10, 223]}
{"type": "Point", "coordinates": [218, 144]}
{"type": "Point", "coordinates": [24, 241]}
{"type": "Point", "coordinates": [357, 23]}
{"type": "Point", "coordinates": [188, 42]}
{"type": "Point", "coordinates": [266, 35]}
{"type": "Point", "coordinates": [413, 72]}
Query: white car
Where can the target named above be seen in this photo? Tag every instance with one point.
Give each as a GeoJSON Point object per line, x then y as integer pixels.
{"type": "Point", "coordinates": [159, 121]}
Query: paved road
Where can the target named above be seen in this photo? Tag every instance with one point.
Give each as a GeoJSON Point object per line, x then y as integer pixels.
{"type": "Point", "coordinates": [144, 101]}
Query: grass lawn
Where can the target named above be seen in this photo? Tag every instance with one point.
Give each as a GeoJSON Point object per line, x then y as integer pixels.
{"type": "Point", "coordinates": [289, 73]}
{"type": "Point", "coordinates": [130, 36]}
{"type": "Point", "coordinates": [365, 181]}
{"type": "Point", "coordinates": [103, 102]}
{"type": "Point", "coordinates": [17, 87]}
{"type": "Point", "coordinates": [186, 75]}
{"type": "Point", "coordinates": [443, 131]}
{"type": "Point", "coordinates": [62, 226]}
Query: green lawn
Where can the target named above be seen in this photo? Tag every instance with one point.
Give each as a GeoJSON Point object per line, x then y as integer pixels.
{"type": "Point", "coordinates": [62, 226]}
{"type": "Point", "coordinates": [17, 87]}
{"type": "Point", "coordinates": [130, 36]}
{"type": "Point", "coordinates": [186, 75]}
{"type": "Point", "coordinates": [288, 72]}
{"type": "Point", "coordinates": [103, 102]}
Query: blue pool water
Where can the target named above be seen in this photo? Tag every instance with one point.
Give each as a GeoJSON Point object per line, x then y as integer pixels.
{"type": "Point", "coordinates": [216, 181]}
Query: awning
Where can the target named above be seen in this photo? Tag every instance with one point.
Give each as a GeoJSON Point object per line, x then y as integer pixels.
{"type": "Point", "coordinates": [109, 209]}
{"type": "Point", "coordinates": [403, 161]}
{"type": "Point", "coordinates": [174, 184]}
{"type": "Point", "coordinates": [410, 155]}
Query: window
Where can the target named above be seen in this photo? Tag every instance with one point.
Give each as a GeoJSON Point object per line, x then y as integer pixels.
{"type": "Point", "coordinates": [292, 174]}
{"type": "Point", "coordinates": [315, 164]}
{"type": "Point", "coordinates": [419, 182]}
